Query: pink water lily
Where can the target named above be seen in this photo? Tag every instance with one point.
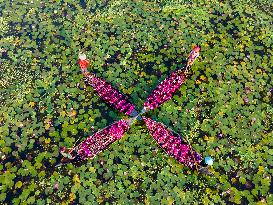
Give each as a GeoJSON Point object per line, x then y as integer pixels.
{"type": "Point", "coordinates": [109, 94]}
{"type": "Point", "coordinates": [172, 144]}
{"type": "Point", "coordinates": [102, 139]}
{"type": "Point", "coordinates": [165, 90]}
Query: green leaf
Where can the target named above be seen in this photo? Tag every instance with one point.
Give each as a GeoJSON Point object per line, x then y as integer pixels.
{"type": "Point", "coordinates": [18, 184]}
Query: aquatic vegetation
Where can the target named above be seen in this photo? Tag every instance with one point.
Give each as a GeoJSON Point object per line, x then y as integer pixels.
{"type": "Point", "coordinates": [224, 109]}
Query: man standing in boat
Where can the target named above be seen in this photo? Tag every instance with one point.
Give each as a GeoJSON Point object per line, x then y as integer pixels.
{"type": "Point", "coordinates": [193, 55]}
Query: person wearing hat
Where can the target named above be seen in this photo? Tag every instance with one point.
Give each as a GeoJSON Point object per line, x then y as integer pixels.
{"type": "Point", "coordinates": [83, 62]}
{"type": "Point", "coordinates": [204, 166]}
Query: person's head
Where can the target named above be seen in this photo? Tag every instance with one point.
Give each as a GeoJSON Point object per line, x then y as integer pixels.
{"type": "Point", "coordinates": [207, 161]}
{"type": "Point", "coordinates": [82, 56]}
{"type": "Point", "coordinates": [197, 48]}
{"type": "Point", "coordinates": [204, 166]}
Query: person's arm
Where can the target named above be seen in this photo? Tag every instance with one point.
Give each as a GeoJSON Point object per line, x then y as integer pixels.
{"type": "Point", "coordinates": [197, 55]}
{"type": "Point", "coordinates": [190, 54]}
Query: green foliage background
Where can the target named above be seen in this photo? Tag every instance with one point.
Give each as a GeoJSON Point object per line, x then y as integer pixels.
{"type": "Point", "coordinates": [225, 108]}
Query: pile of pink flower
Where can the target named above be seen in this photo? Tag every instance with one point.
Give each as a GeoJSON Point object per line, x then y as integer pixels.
{"type": "Point", "coordinates": [172, 144]}
{"type": "Point", "coordinates": [110, 95]}
{"type": "Point", "coordinates": [165, 90]}
{"type": "Point", "coordinates": [102, 139]}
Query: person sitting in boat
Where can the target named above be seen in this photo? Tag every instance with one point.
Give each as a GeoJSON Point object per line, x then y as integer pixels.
{"type": "Point", "coordinates": [83, 62]}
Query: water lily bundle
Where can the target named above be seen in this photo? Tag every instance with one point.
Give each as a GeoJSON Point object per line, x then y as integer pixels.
{"type": "Point", "coordinates": [173, 144]}
{"type": "Point", "coordinates": [110, 95]}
